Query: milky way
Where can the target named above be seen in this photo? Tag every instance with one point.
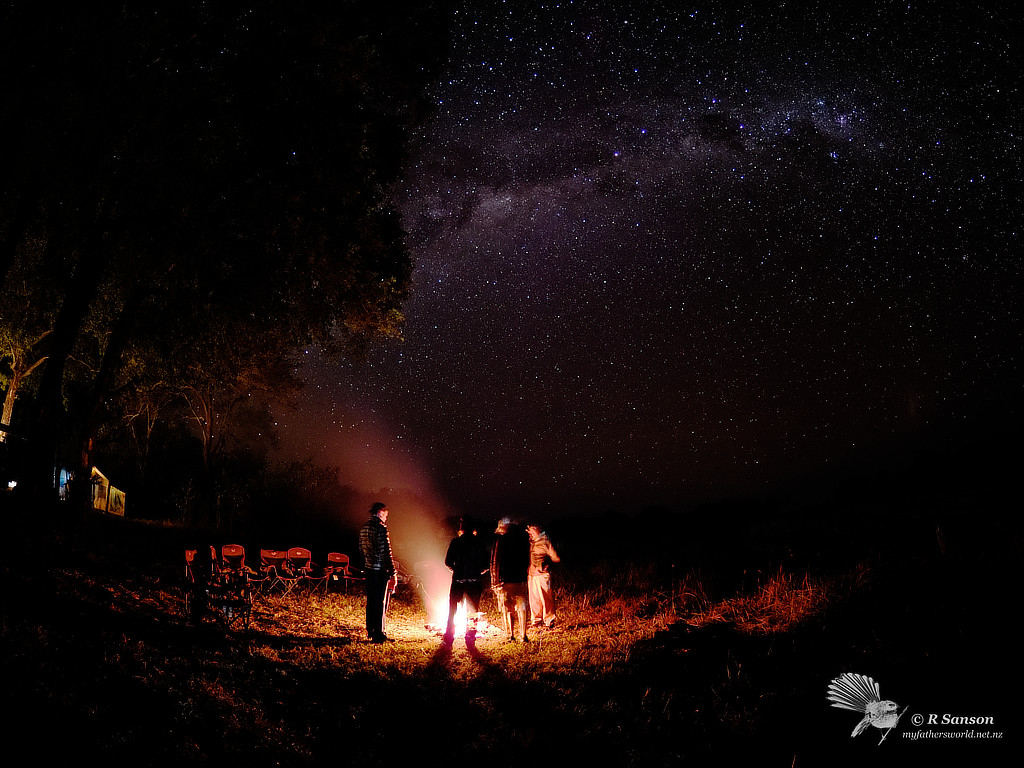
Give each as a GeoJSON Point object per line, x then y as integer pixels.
{"type": "Point", "coordinates": [676, 251]}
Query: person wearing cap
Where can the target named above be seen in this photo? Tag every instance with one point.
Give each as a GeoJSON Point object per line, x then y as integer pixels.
{"type": "Point", "coordinates": [375, 545]}
{"type": "Point", "coordinates": [467, 560]}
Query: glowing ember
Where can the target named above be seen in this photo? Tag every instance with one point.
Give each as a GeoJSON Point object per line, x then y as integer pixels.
{"type": "Point", "coordinates": [439, 622]}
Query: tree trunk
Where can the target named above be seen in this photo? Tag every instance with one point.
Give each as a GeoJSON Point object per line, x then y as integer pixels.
{"type": "Point", "coordinates": [111, 361]}
{"type": "Point", "coordinates": [12, 393]}
{"type": "Point", "coordinates": [18, 375]}
{"type": "Point", "coordinates": [41, 455]}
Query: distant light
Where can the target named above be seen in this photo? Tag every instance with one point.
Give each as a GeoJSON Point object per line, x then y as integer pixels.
{"type": "Point", "coordinates": [12, 484]}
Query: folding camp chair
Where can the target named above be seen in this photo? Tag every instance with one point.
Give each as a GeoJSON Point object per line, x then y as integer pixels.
{"type": "Point", "coordinates": [206, 570]}
{"type": "Point", "coordinates": [227, 597]}
{"type": "Point", "coordinates": [216, 566]}
{"type": "Point", "coordinates": [291, 575]}
{"type": "Point", "coordinates": [274, 564]}
{"type": "Point", "coordinates": [300, 562]}
{"type": "Point", "coordinates": [191, 582]}
{"type": "Point", "coordinates": [260, 576]}
{"type": "Point", "coordinates": [231, 602]}
{"type": "Point", "coordinates": [233, 561]}
{"type": "Point", "coordinates": [199, 574]}
{"type": "Point", "coordinates": [339, 568]}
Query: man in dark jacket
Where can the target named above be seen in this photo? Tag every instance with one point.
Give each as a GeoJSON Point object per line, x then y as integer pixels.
{"type": "Point", "coordinates": [375, 545]}
{"type": "Point", "coordinates": [510, 565]}
{"type": "Point", "coordinates": [467, 560]}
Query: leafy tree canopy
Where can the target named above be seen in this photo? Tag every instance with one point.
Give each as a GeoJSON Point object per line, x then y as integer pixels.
{"type": "Point", "coordinates": [212, 172]}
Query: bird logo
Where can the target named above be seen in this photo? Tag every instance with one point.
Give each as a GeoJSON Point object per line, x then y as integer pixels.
{"type": "Point", "coordinates": [859, 693]}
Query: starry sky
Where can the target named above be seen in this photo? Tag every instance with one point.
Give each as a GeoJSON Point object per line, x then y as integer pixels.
{"type": "Point", "coordinates": [679, 251]}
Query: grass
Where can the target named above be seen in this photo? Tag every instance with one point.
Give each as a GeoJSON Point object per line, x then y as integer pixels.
{"type": "Point", "coordinates": [651, 664]}
{"type": "Point", "coordinates": [779, 605]}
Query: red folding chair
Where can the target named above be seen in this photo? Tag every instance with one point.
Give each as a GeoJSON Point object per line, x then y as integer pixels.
{"type": "Point", "coordinates": [190, 583]}
{"type": "Point", "coordinates": [232, 558]}
{"type": "Point", "coordinates": [292, 574]}
{"type": "Point", "coordinates": [300, 562]}
{"type": "Point", "coordinates": [274, 568]}
{"type": "Point", "coordinates": [339, 568]}
{"type": "Point", "coordinates": [227, 595]}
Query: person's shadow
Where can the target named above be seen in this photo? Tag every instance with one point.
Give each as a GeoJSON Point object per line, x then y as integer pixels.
{"type": "Point", "coordinates": [443, 655]}
{"type": "Point", "coordinates": [476, 655]}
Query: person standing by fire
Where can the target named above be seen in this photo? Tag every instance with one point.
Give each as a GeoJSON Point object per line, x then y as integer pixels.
{"type": "Point", "coordinates": [467, 559]}
{"type": "Point", "coordinates": [542, 598]}
{"type": "Point", "coordinates": [375, 545]}
{"type": "Point", "coordinates": [510, 565]}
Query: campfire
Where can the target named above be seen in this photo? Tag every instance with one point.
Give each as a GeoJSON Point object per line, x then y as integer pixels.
{"type": "Point", "coordinates": [433, 581]}
{"type": "Point", "coordinates": [439, 621]}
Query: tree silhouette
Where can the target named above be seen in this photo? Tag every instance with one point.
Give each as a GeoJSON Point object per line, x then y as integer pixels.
{"type": "Point", "coordinates": [229, 166]}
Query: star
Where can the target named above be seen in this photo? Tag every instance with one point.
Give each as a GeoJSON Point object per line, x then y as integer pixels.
{"type": "Point", "coordinates": [664, 252]}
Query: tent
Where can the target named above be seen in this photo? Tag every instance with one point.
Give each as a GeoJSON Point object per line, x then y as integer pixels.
{"type": "Point", "coordinates": [105, 496]}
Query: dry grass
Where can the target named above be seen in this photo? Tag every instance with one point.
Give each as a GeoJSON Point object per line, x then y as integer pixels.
{"type": "Point", "coordinates": [648, 666]}
{"type": "Point", "coordinates": [783, 602]}
{"type": "Point", "coordinates": [587, 638]}
{"type": "Point", "coordinates": [597, 631]}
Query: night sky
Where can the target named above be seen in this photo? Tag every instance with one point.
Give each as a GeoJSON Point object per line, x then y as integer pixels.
{"type": "Point", "coordinates": [668, 252]}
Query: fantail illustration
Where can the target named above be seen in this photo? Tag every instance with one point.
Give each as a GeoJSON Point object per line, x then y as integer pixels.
{"type": "Point", "coordinates": [859, 693]}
